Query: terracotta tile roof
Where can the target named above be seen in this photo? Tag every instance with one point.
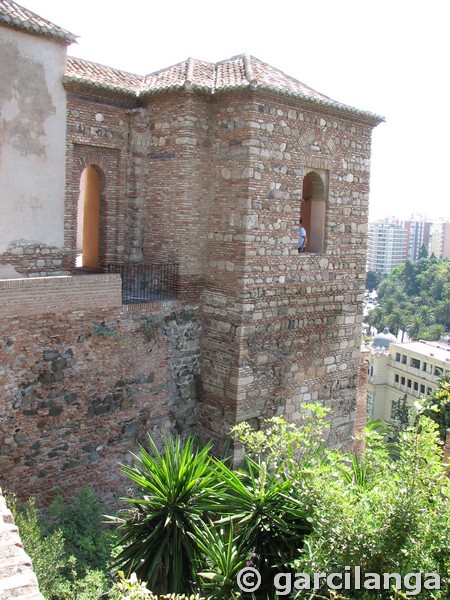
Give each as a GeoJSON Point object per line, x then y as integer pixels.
{"type": "Point", "coordinates": [100, 76]}
{"type": "Point", "coordinates": [238, 72]}
{"type": "Point", "coordinates": [17, 17]}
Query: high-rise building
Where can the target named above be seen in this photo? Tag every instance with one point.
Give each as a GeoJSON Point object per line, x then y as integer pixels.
{"type": "Point", "coordinates": [386, 247]}
{"type": "Point", "coordinates": [417, 235]}
{"type": "Point", "coordinates": [440, 240]}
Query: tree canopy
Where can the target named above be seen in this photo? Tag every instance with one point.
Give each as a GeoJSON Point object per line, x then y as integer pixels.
{"type": "Point", "coordinates": [415, 297]}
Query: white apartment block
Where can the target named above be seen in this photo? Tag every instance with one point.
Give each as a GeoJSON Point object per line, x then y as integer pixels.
{"type": "Point", "coordinates": [396, 369]}
{"type": "Point", "coordinates": [386, 247]}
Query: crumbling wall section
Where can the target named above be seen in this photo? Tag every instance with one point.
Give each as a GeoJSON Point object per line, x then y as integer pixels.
{"type": "Point", "coordinates": [82, 382]}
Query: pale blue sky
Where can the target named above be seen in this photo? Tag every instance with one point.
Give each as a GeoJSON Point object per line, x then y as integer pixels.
{"type": "Point", "coordinates": [386, 56]}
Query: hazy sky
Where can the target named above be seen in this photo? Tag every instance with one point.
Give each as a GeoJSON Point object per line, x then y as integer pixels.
{"type": "Point", "coordinates": [390, 57]}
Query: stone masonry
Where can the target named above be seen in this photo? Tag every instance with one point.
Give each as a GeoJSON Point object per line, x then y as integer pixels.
{"type": "Point", "coordinates": [215, 183]}
{"type": "Point", "coordinates": [209, 166]}
{"type": "Point", "coordinates": [83, 381]}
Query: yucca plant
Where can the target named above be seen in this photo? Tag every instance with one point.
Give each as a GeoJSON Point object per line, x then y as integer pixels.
{"type": "Point", "coordinates": [270, 522]}
{"type": "Point", "coordinates": [177, 488]}
{"type": "Point", "coordinates": [221, 560]}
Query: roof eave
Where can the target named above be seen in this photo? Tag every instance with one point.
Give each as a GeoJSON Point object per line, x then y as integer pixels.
{"type": "Point", "coordinates": [79, 83]}
{"type": "Point", "coordinates": [62, 37]}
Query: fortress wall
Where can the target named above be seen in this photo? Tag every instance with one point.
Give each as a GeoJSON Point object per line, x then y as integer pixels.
{"type": "Point", "coordinates": [82, 381]}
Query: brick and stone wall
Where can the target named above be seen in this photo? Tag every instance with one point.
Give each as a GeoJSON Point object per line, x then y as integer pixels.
{"type": "Point", "coordinates": [215, 183]}
{"type": "Point", "coordinates": [82, 381]}
{"type": "Point", "coordinates": [97, 134]}
{"type": "Point", "coordinates": [281, 328]}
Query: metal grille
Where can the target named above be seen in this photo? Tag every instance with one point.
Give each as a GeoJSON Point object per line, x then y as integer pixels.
{"type": "Point", "coordinates": [147, 283]}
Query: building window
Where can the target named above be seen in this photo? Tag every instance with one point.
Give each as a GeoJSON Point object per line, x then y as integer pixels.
{"type": "Point", "coordinates": [422, 389]}
{"type": "Point", "coordinates": [397, 357]}
{"type": "Point", "coordinates": [416, 386]}
{"type": "Point", "coordinates": [438, 371]}
{"type": "Point", "coordinates": [397, 378]}
{"type": "Point", "coordinates": [404, 359]}
{"type": "Point", "coordinates": [370, 403]}
{"type": "Point", "coordinates": [409, 383]}
{"type": "Point", "coordinates": [313, 208]}
{"type": "Point", "coordinates": [415, 362]}
{"type": "Point", "coordinates": [429, 391]}
{"type": "Point", "coordinates": [424, 366]}
{"type": "Point", "coordinates": [403, 381]}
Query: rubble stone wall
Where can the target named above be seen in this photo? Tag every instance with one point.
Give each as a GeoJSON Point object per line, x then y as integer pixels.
{"type": "Point", "coordinates": [83, 381]}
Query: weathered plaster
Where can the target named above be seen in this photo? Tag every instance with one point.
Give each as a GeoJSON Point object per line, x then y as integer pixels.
{"type": "Point", "coordinates": [32, 139]}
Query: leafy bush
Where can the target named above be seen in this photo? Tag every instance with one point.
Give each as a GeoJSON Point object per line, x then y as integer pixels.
{"type": "Point", "coordinates": [46, 552]}
{"type": "Point", "coordinates": [437, 406]}
{"type": "Point", "coordinates": [81, 523]}
{"type": "Point", "coordinates": [383, 514]}
{"type": "Point", "coordinates": [61, 574]}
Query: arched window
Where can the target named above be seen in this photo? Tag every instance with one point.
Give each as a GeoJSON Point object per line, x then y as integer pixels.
{"type": "Point", "coordinates": [88, 223]}
{"type": "Point", "coordinates": [313, 208]}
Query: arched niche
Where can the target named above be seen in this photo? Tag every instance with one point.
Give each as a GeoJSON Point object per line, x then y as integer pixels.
{"type": "Point", "coordinates": [89, 218]}
{"type": "Point", "coordinates": [313, 209]}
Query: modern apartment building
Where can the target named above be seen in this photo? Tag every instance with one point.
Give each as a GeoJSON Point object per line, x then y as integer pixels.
{"type": "Point", "coordinates": [396, 369]}
{"type": "Point", "coordinates": [417, 235]}
{"type": "Point", "coordinates": [440, 240]}
{"type": "Point", "coordinates": [386, 247]}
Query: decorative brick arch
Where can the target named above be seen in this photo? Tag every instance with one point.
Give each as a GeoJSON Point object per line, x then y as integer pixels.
{"type": "Point", "coordinates": [93, 158]}
{"type": "Point", "coordinates": [106, 163]}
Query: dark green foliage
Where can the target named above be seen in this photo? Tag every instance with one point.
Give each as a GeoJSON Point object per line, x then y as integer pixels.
{"type": "Point", "coordinates": [183, 495]}
{"type": "Point", "coordinates": [47, 552]}
{"type": "Point", "coordinates": [415, 297]}
{"type": "Point", "coordinates": [388, 512]}
{"type": "Point", "coordinates": [81, 524]}
{"type": "Point", "coordinates": [269, 520]}
{"type": "Point", "coordinates": [176, 489]}
{"type": "Point", "coordinates": [423, 252]}
{"type": "Point", "coordinates": [373, 280]}
{"type": "Point", "coordinates": [401, 415]}
{"type": "Point", "coordinates": [222, 557]}
{"type": "Point", "coordinates": [437, 406]}
{"type": "Point", "coordinates": [60, 575]}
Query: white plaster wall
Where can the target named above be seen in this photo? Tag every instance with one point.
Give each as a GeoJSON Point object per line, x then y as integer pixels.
{"type": "Point", "coordinates": [32, 139]}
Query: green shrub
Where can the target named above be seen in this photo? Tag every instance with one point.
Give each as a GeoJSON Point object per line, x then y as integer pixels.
{"type": "Point", "coordinates": [46, 552]}
{"type": "Point", "coordinates": [64, 569]}
{"type": "Point", "coordinates": [83, 529]}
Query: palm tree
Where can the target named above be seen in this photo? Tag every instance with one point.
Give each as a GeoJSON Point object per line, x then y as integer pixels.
{"type": "Point", "coordinates": [426, 313]}
{"type": "Point", "coordinates": [376, 318]}
{"type": "Point", "coordinates": [442, 312]}
{"type": "Point", "coordinates": [435, 332]}
{"type": "Point", "coordinates": [415, 327]}
{"type": "Point", "coordinates": [389, 305]}
{"type": "Point", "coordinates": [396, 322]}
{"type": "Point", "coordinates": [175, 490]}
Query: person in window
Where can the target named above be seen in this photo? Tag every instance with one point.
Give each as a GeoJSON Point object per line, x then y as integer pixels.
{"type": "Point", "coordinates": [301, 237]}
